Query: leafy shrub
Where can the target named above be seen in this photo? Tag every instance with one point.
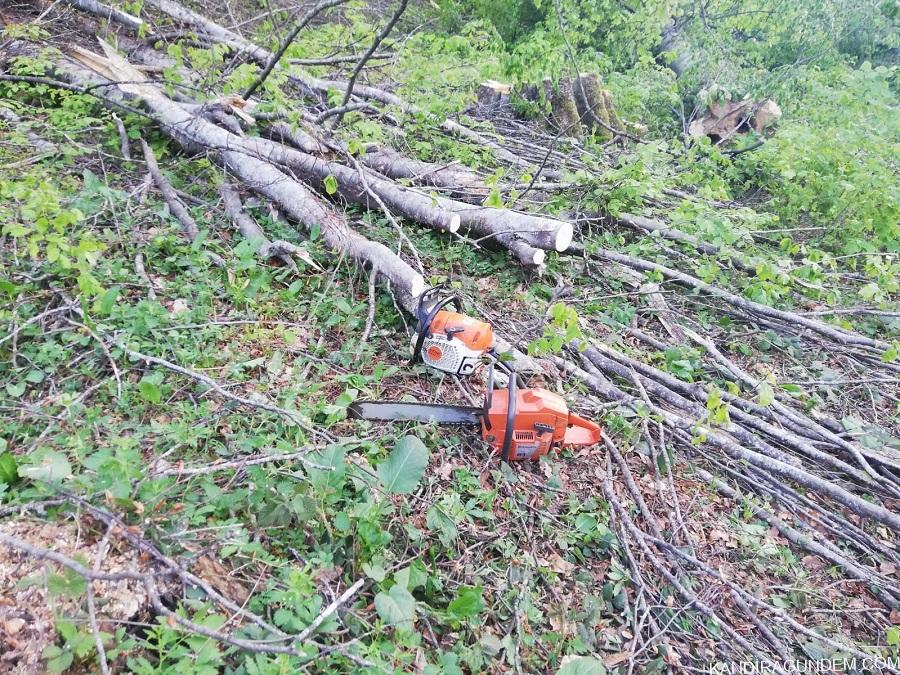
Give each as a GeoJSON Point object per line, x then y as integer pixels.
{"type": "Point", "coordinates": [832, 162]}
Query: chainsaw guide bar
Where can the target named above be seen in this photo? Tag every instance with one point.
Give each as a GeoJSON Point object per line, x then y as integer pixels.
{"type": "Point", "coordinates": [389, 411]}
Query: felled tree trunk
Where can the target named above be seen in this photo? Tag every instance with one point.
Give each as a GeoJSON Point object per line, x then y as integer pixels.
{"type": "Point", "coordinates": [247, 159]}
{"type": "Point", "coordinates": [451, 177]}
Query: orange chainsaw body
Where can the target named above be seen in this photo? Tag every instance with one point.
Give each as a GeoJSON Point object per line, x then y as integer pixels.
{"type": "Point", "coordinates": [541, 422]}
{"type": "Point", "coordinates": [474, 334]}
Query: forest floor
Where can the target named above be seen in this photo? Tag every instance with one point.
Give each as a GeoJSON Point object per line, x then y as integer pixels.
{"type": "Point", "coordinates": [217, 522]}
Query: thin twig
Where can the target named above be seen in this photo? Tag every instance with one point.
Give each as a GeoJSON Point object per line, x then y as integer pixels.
{"type": "Point", "coordinates": [365, 57]}
{"type": "Point", "coordinates": [221, 391]}
{"type": "Point", "coordinates": [370, 318]}
{"type": "Point", "coordinates": [276, 57]}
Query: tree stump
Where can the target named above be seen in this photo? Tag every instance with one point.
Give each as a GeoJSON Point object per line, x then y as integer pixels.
{"type": "Point", "coordinates": [565, 111]}
{"type": "Point", "coordinates": [492, 94]}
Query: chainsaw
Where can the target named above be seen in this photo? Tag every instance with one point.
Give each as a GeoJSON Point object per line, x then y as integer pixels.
{"type": "Point", "coordinates": [449, 341]}
{"type": "Point", "coordinates": [519, 423]}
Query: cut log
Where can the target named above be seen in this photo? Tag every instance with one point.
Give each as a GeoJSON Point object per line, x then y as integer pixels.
{"type": "Point", "coordinates": [296, 137]}
{"type": "Point", "coordinates": [246, 158]}
{"type": "Point", "coordinates": [767, 113]}
{"type": "Point", "coordinates": [452, 177]}
{"type": "Point", "coordinates": [724, 120]}
{"type": "Point", "coordinates": [304, 207]}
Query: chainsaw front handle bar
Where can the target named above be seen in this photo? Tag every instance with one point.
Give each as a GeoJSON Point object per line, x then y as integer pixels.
{"type": "Point", "coordinates": [425, 317]}
{"type": "Point", "coordinates": [510, 417]}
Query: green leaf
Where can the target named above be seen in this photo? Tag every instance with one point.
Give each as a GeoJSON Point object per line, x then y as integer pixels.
{"type": "Point", "coordinates": [46, 465]}
{"type": "Point", "coordinates": [374, 571]}
{"type": "Point", "coordinates": [16, 390]}
{"type": "Point", "coordinates": [404, 468]}
{"type": "Point", "coordinates": [107, 301]}
{"type": "Point", "coordinates": [58, 660]}
{"type": "Point", "coordinates": [396, 607]}
{"type": "Point", "coordinates": [35, 376]}
{"type": "Point", "coordinates": [413, 576]}
{"type": "Point", "coordinates": [869, 291]}
{"type": "Point", "coordinates": [494, 199]}
{"type": "Point", "coordinates": [585, 523]}
{"type": "Point", "coordinates": [332, 457]}
{"type": "Point", "coordinates": [356, 147]}
{"type": "Point", "coordinates": [69, 583]}
{"type": "Point", "coordinates": [467, 603]}
{"type": "Point", "coordinates": [9, 470]}
{"type": "Point", "coordinates": [892, 636]}
{"type": "Point", "coordinates": [582, 665]}
{"type": "Point", "coordinates": [331, 184]}
{"type": "Point", "coordinates": [15, 229]}
{"type": "Point", "coordinates": [765, 395]}
{"type": "Point", "coordinates": [342, 522]}
{"type": "Point", "coordinates": [150, 391]}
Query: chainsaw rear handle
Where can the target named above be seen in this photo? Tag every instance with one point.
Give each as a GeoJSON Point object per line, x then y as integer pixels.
{"type": "Point", "coordinates": [581, 432]}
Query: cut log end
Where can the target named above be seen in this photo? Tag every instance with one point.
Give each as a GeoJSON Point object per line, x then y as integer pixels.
{"type": "Point", "coordinates": [454, 223]}
{"type": "Point", "coordinates": [417, 286]}
{"type": "Point", "coordinates": [539, 257]}
{"type": "Point", "coordinates": [564, 236]}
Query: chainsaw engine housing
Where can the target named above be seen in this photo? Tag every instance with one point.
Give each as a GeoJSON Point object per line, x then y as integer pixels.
{"type": "Point", "coordinates": [541, 421]}
{"type": "Point", "coordinates": [454, 343]}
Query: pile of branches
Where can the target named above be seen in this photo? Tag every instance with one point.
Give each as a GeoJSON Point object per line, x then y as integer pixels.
{"type": "Point", "coordinates": [823, 492]}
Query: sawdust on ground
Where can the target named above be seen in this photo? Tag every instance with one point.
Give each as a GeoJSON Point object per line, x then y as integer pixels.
{"type": "Point", "coordinates": [28, 610]}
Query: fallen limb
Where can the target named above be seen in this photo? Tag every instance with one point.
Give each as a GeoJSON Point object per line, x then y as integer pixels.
{"type": "Point", "coordinates": [832, 332]}
{"type": "Point", "coordinates": [654, 226]}
{"type": "Point", "coordinates": [259, 402]}
{"type": "Point", "coordinates": [225, 465]}
{"type": "Point", "coordinates": [107, 12]}
{"type": "Point", "coordinates": [379, 38]}
{"type": "Point", "coordinates": [723, 442]}
{"type": "Point", "coordinates": [250, 230]}
{"type": "Point", "coordinates": [276, 57]}
{"type": "Point", "coordinates": [188, 225]}
{"type": "Point", "coordinates": [890, 596]}
{"type": "Point", "coordinates": [40, 553]}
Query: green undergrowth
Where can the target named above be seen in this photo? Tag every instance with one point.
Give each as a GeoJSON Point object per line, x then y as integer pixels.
{"type": "Point", "coordinates": [468, 565]}
{"type": "Point", "coordinates": [285, 529]}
